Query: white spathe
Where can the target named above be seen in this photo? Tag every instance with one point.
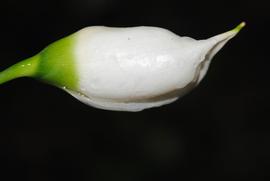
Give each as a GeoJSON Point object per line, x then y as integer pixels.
{"type": "Point", "coordinates": [131, 69]}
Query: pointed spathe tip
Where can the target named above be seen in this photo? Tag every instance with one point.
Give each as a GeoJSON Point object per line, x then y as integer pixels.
{"type": "Point", "coordinates": [215, 43]}
{"type": "Point", "coordinates": [229, 34]}
{"type": "Point", "coordinates": [239, 27]}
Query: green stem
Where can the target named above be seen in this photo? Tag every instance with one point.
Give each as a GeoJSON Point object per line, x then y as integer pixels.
{"type": "Point", "coordinates": [25, 68]}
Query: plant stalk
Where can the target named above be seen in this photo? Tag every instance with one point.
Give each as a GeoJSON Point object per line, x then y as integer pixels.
{"type": "Point", "coordinates": [25, 68]}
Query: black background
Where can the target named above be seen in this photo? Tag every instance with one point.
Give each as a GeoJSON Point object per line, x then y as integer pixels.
{"type": "Point", "coordinates": [219, 131]}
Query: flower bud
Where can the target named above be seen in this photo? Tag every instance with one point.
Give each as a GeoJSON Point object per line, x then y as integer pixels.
{"type": "Point", "coordinates": [123, 69]}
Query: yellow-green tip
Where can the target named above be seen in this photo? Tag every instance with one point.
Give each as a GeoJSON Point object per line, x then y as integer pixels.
{"type": "Point", "coordinates": [239, 27]}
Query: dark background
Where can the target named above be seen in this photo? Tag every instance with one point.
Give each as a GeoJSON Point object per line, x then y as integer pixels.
{"type": "Point", "coordinates": [219, 131]}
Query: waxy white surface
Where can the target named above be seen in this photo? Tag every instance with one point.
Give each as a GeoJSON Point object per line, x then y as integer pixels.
{"type": "Point", "coordinates": [131, 69]}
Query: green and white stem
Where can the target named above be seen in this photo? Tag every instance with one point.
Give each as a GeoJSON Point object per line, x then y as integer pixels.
{"type": "Point", "coordinates": [124, 69]}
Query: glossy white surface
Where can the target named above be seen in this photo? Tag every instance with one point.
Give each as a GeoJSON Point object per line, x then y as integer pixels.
{"type": "Point", "coordinates": [130, 69]}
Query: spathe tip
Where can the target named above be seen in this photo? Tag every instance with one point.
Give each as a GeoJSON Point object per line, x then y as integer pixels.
{"type": "Point", "coordinates": [229, 34]}
{"type": "Point", "coordinates": [215, 43]}
{"type": "Point", "coordinates": [239, 27]}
